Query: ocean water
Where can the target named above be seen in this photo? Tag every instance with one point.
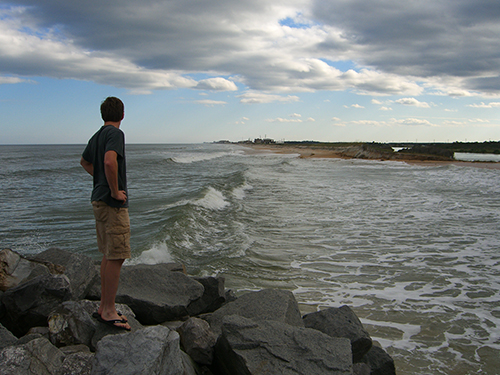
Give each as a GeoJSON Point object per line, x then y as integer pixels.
{"type": "Point", "coordinates": [413, 250]}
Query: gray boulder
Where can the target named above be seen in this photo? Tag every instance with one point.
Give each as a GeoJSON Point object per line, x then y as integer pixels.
{"type": "Point", "coordinates": [78, 360]}
{"type": "Point", "coordinates": [42, 331]}
{"type": "Point", "coordinates": [40, 357]}
{"type": "Point", "coordinates": [341, 322]}
{"type": "Point", "coordinates": [94, 292]}
{"type": "Point", "coordinates": [361, 369]}
{"type": "Point", "coordinates": [15, 269]}
{"type": "Point", "coordinates": [379, 361]}
{"type": "Point", "coordinates": [267, 304]}
{"type": "Point", "coordinates": [150, 351]}
{"type": "Point", "coordinates": [37, 357]}
{"type": "Point", "coordinates": [156, 294]}
{"type": "Point", "coordinates": [6, 337]}
{"type": "Point", "coordinates": [190, 366]}
{"type": "Point", "coordinates": [80, 269]}
{"type": "Point", "coordinates": [198, 340]}
{"type": "Point", "coordinates": [270, 347]}
{"type": "Point", "coordinates": [72, 323]}
{"type": "Point", "coordinates": [214, 295]}
{"type": "Point", "coordinates": [29, 304]}
{"type": "Point", "coordinates": [2, 307]}
{"type": "Point", "coordinates": [79, 363]}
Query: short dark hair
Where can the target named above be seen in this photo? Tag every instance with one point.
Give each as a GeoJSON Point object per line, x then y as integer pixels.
{"type": "Point", "coordinates": [112, 109]}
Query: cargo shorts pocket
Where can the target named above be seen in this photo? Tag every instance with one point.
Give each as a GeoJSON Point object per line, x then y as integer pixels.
{"type": "Point", "coordinates": [119, 229]}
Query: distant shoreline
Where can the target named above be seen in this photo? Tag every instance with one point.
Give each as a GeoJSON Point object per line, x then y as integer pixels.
{"type": "Point", "coordinates": [308, 152]}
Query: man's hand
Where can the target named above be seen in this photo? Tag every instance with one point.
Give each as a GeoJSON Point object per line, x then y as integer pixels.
{"type": "Point", "coordinates": [120, 196]}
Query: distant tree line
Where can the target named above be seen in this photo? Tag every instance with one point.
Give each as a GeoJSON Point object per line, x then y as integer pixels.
{"type": "Point", "coordinates": [489, 147]}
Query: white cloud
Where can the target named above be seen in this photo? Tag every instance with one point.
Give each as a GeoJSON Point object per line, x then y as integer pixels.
{"type": "Point", "coordinates": [11, 80]}
{"type": "Point", "coordinates": [216, 84]}
{"type": "Point", "coordinates": [412, 122]}
{"type": "Point", "coordinates": [210, 103]}
{"type": "Point", "coordinates": [483, 105]}
{"type": "Point", "coordinates": [412, 102]}
{"type": "Point", "coordinates": [242, 121]}
{"type": "Point", "coordinates": [357, 106]}
{"type": "Point", "coordinates": [453, 123]}
{"type": "Point", "coordinates": [385, 108]}
{"type": "Point", "coordinates": [280, 119]}
{"type": "Point", "coordinates": [255, 97]}
{"type": "Point", "coordinates": [369, 122]}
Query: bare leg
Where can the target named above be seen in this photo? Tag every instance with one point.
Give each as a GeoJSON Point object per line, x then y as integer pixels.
{"type": "Point", "coordinates": [110, 277]}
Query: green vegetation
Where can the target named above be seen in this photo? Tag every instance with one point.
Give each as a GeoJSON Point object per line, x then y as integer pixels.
{"type": "Point", "coordinates": [474, 147]}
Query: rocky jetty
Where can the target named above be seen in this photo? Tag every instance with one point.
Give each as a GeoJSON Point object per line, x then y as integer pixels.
{"type": "Point", "coordinates": [180, 325]}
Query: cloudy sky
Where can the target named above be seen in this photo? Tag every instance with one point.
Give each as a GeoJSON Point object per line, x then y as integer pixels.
{"type": "Point", "coordinates": [206, 70]}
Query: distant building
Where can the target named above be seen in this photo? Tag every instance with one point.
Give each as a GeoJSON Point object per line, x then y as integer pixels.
{"type": "Point", "coordinates": [265, 141]}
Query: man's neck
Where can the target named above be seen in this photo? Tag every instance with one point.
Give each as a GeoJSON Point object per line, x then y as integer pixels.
{"type": "Point", "coordinates": [116, 124]}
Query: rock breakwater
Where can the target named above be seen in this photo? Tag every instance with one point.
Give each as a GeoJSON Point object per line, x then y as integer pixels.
{"type": "Point", "coordinates": [180, 325]}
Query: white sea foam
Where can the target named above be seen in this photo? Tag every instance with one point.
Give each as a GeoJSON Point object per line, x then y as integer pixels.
{"type": "Point", "coordinates": [408, 330]}
{"type": "Point", "coordinates": [213, 200]}
{"type": "Point", "coordinates": [239, 192]}
{"type": "Point", "coordinates": [158, 254]}
{"type": "Point", "coordinates": [188, 158]}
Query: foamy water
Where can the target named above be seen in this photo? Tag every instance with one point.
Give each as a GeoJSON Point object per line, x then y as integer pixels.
{"type": "Point", "coordinates": [414, 250]}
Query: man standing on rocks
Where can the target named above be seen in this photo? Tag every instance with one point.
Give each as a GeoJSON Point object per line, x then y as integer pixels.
{"type": "Point", "coordinates": [104, 159]}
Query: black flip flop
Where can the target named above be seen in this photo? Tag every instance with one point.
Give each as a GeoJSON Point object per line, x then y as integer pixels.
{"type": "Point", "coordinates": [113, 323]}
{"type": "Point", "coordinates": [97, 316]}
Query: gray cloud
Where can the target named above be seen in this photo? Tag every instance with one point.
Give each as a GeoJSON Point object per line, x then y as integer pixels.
{"type": "Point", "coordinates": [420, 38]}
{"type": "Point", "coordinates": [450, 45]}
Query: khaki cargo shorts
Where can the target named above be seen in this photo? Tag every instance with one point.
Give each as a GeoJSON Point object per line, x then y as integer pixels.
{"type": "Point", "coordinates": [113, 231]}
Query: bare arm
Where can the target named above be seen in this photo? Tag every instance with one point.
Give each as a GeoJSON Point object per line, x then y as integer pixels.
{"type": "Point", "coordinates": [89, 167]}
{"type": "Point", "coordinates": [111, 171]}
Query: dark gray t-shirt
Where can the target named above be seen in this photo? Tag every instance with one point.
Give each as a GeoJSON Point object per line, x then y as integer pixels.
{"type": "Point", "coordinates": [108, 138]}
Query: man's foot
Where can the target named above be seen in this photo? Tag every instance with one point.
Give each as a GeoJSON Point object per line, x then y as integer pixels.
{"type": "Point", "coordinates": [96, 315]}
{"type": "Point", "coordinates": [118, 323]}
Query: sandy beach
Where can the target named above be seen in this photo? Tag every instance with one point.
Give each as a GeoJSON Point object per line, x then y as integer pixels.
{"type": "Point", "coordinates": [306, 152]}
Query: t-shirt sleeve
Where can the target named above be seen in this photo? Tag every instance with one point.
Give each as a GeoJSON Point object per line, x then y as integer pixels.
{"type": "Point", "coordinates": [116, 142]}
{"type": "Point", "coordinates": [87, 154]}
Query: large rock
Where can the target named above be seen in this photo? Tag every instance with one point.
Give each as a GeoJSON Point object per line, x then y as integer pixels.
{"type": "Point", "coordinates": [29, 304]}
{"type": "Point", "coordinates": [79, 363]}
{"type": "Point", "coordinates": [341, 322]}
{"type": "Point", "coordinates": [156, 294]}
{"type": "Point", "coordinates": [80, 269]}
{"type": "Point", "coordinates": [40, 357]}
{"type": "Point", "coordinates": [214, 295]}
{"type": "Point", "coordinates": [15, 269]}
{"type": "Point", "coordinates": [37, 357]}
{"type": "Point", "coordinates": [94, 292]}
{"type": "Point", "coordinates": [379, 361]}
{"type": "Point", "coordinates": [72, 323]}
{"type": "Point", "coordinates": [198, 340]}
{"type": "Point", "coordinates": [150, 351]}
{"type": "Point", "coordinates": [270, 347]}
{"type": "Point", "coordinates": [267, 304]}
{"type": "Point", "coordinates": [6, 337]}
